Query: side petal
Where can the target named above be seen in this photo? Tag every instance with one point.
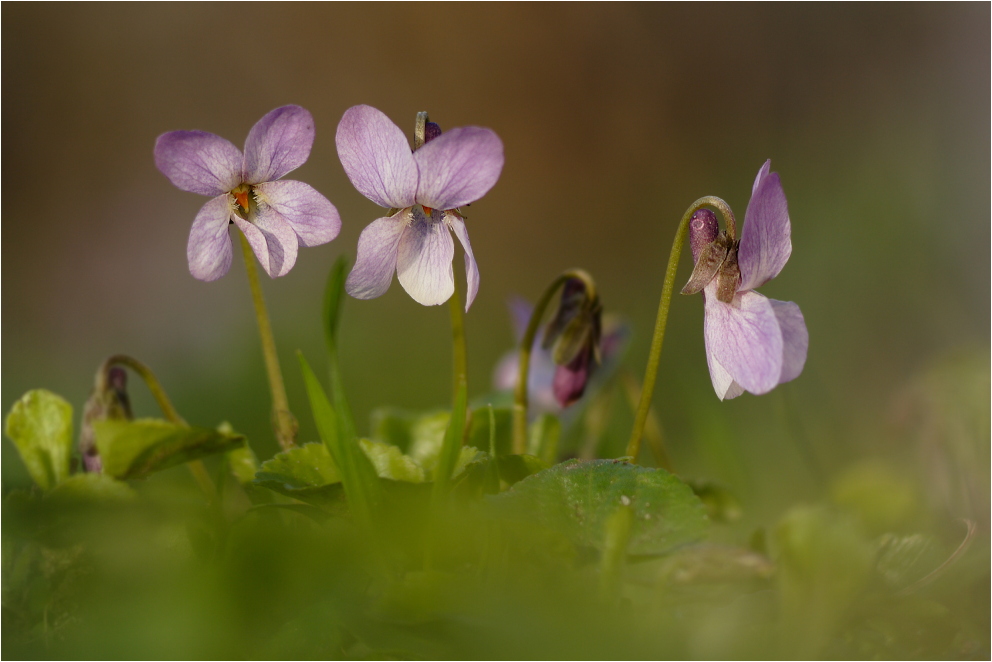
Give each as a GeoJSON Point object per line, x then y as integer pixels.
{"type": "Point", "coordinates": [745, 338]}
{"type": "Point", "coordinates": [272, 239]}
{"type": "Point", "coordinates": [795, 339]}
{"type": "Point", "coordinates": [423, 262]}
{"type": "Point", "coordinates": [376, 157]}
{"type": "Point", "coordinates": [279, 143]}
{"type": "Point", "coordinates": [766, 240]}
{"type": "Point", "coordinates": [312, 216]}
{"type": "Point", "coordinates": [457, 225]}
{"type": "Point", "coordinates": [458, 167]}
{"type": "Point", "coordinates": [198, 162]}
{"type": "Point", "coordinates": [209, 246]}
{"type": "Point", "coordinates": [376, 262]}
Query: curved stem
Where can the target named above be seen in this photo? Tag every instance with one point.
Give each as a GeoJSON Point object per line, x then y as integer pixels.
{"type": "Point", "coordinates": [651, 372]}
{"type": "Point", "coordinates": [284, 423]}
{"type": "Point", "coordinates": [520, 398]}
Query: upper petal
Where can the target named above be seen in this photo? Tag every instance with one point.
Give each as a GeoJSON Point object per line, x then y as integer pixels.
{"type": "Point", "coordinates": [458, 167]}
{"type": "Point", "coordinates": [312, 216]}
{"type": "Point", "coordinates": [376, 262]}
{"type": "Point", "coordinates": [198, 162]}
{"type": "Point", "coordinates": [279, 143]}
{"type": "Point", "coordinates": [376, 157]}
{"type": "Point", "coordinates": [457, 225]}
{"type": "Point", "coordinates": [209, 246]}
{"type": "Point", "coordinates": [745, 338]}
{"type": "Point", "coordinates": [766, 240]}
{"type": "Point", "coordinates": [272, 239]}
{"type": "Point", "coordinates": [423, 262]}
{"type": "Point", "coordinates": [795, 339]}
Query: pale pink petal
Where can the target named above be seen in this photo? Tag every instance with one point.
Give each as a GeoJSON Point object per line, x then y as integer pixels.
{"type": "Point", "coordinates": [272, 239]}
{"type": "Point", "coordinates": [312, 216]}
{"type": "Point", "coordinates": [376, 262]}
{"type": "Point", "coordinates": [458, 167]}
{"type": "Point", "coordinates": [198, 162]}
{"type": "Point", "coordinates": [376, 157]}
{"type": "Point", "coordinates": [795, 339]}
{"type": "Point", "coordinates": [766, 242]}
{"type": "Point", "coordinates": [457, 225]}
{"type": "Point", "coordinates": [279, 143]}
{"type": "Point", "coordinates": [745, 338]}
{"type": "Point", "coordinates": [423, 262]}
{"type": "Point", "coordinates": [209, 246]}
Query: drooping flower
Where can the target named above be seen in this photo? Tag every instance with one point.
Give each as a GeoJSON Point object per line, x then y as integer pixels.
{"type": "Point", "coordinates": [423, 190]}
{"type": "Point", "coordinates": [277, 217]}
{"type": "Point", "coordinates": [573, 337]}
{"type": "Point", "coordinates": [753, 343]}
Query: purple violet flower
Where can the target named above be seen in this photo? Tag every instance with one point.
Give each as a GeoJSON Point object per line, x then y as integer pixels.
{"type": "Point", "coordinates": [276, 216]}
{"type": "Point", "coordinates": [753, 343]}
{"type": "Point", "coordinates": [423, 190]}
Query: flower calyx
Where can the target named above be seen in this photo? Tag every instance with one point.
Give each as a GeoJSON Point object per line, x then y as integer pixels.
{"type": "Point", "coordinates": [108, 401]}
{"type": "Point", "coordinates": [573, 336]}
{"type": "Point", "coordinates": [715, 256]}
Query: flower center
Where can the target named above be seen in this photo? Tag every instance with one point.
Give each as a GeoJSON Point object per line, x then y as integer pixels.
{"type": "Point", "coordinates": [244, 195]}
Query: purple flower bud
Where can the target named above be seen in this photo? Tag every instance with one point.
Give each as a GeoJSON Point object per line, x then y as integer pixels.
{"type": "Point", "coordinates": [431, 131]}
{"type": "Point", "coordinates": [570, 380]}
{"type": "Point", "coordinates": [703, 229]}
{"type": "Point", "coordinates": [109, 401]}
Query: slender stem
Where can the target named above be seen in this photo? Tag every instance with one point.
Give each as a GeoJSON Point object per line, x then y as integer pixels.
{"type": "Point", "coordinates": [459, 351]}
{"type": "Point", "coordinates": [520, 398]}
{"type": "Point", "coordinates": [284, 423]}
{"type": "Point", "coordinates": [651, 372]}
{"type": "Point", "coordinates": [652, 428]}
{"type": "Point", "coordinates": [196, 467]}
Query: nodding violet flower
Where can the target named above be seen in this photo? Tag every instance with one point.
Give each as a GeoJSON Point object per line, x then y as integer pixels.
{"type": "Point", "coordinates": [753, 343]}
{"type": "Point", "coordinates": [423, 189]}
{"type": "Point", "coordinates": [573, 337]}
{"type": "Point", "coordinates": [276, 216]}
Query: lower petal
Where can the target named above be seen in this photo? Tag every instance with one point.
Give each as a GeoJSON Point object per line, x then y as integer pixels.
{"type": "Point", "coordinates": [724, 385]}
{"type": "Point", "coordinates": [312, 216]}
{"type": "Point", "coordinates": [745, 338]}
{"type": "Point", "coordinates": [376, 262]}
{"type": "Point", "coordinates": [209, 246]}
{"type": "Point", "coordinates": [423, 261]}
{"type": "Point", "coordinates": [273, 241]}
{"type": "Point", "coordinates": [795, 339]}
{"type": "Point", "coordinates": [457, 225]}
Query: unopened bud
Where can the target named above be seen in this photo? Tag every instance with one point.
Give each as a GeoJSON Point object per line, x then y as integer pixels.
{"type": "Point", "coordinates": [108, 401]}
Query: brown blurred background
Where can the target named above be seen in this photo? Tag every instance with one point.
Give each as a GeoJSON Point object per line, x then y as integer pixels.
{"type": "Point", "coordinates": [614, 117]}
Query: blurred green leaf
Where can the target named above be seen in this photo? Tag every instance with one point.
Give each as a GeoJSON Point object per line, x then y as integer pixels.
{"type": "Point", "coordinates": [91, 487]}
{"type": "Point", "coordinates": [514, 468]}
{"type": "Point", "coordinates": [543, 438]}
{"type": "Point", "coordinates": [134, 449]}
{"type": "Point", "coordinates": [721, 504]}
{"type": "Point", "coordinates": [578, 498]}
{"type": "Point", "coordinates": [333, 295]}
{"type": "Point", "coordinates": [451, 453]}
{"type": "Point", "coordinates": [390, 462]}
{"type": "Point", "coordinates": [306, 473]}
{"type": "Point", "coordinates": [40, 425]}
{"type": "Point", "coordinates": [427, 436]}
{"type": "Point", "coordinates": [479, 430]}
{"type": "Point", "coordinates": [393, 426]}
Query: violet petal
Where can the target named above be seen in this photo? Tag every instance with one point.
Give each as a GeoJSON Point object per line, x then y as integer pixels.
{"type": "Point", "coordinates": [457, 226]}
{"type": "Point", "coordinates": [272, 239]}
{"type": "Point", "coordinates": [209, 246]}
{"type": "Point", "coordinates": [279, 143]}
{"type": "Point", "coordinates": [766, 242]}
{"type": "Point", "coordinates": [745, 338]}
{"type": "Point", "coordinates": [312, 216]}
{"type": "Point", "coordinates": [795, 339]}
{"type": "Point", "coordinates": [376, 157]}
{"type": "Point", "coordinates": [724, 385]}
{"type": "Point", "coordinates": [423, 262]}
{"type": "Point", "coordinates": [376, 262]}
{"type": "Point", "coordinates": [458, 167]}
{"type": "Point", "coordinates": [198, 162]}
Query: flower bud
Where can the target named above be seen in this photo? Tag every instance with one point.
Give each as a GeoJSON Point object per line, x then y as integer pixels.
{"type": "Point", "coordinates": [573, 335]}
{"type": "Point", "coordinates": [108, 401]}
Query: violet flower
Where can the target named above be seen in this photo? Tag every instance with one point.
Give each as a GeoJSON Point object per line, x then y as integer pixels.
{"type": "Point", "coordinates": [276, 216]}
{"type": "Point", "coordinates": [423, 190]}
{"type": "Point", "coordinates": [753, 343]}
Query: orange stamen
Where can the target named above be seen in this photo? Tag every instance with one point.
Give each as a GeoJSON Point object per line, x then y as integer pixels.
{"type": "Point", "coordinates": [427, 210]}
{"type": "Point", "coordinates": [242, 198]}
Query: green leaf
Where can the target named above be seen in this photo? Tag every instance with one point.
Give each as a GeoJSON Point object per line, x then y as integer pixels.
{"type": "Point", "coordinates": [134, 449]}
{"type": "Point", "coordinates": [394, 426]}
{"type": "Point", "coordinates": [514, 468]}
{"type": "Point", "coordinates": [577, 498]}
{"type": "Point", "coordinates": [478, 432]}
{"type": "Point", "coordinates": [333, 295]}
{"type": "Point", "coordinates": [40, 425]}
{"type": "Point", "coordinates": [92, 487]}
{"type": "Point", "coordinates": [306, 473]}
{"type": "Point", "coordinates": [543, 438]}
{"type": "Point", "coordinates": [390, 462]}
{"type": "Point", "coordinates": [451, 448]}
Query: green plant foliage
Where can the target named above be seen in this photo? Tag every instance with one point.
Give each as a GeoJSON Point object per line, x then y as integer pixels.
{"type": "Point", "coordinates": [91, 487]}
{"type": "Point", "coordinates": [390, 462]}
{"type": "Point", "coordinates": [543, 438]}
{"type": "Point", "coordinates": [40, 425]}
{"type": "Point", "coordinates": [479, 430]}
{"type": "Point", "coordinates": [134, 449]}
{"type": "Point", "coordinates": [578, 498]}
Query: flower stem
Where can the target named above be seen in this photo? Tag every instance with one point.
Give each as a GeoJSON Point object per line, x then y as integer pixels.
{"type": "Point", "coordinates": [651, 372]}
{"type": "Point", "coordinates": [196, 467]}
{"type": "Point", "coordinates": [459, 351]}
{"type": "Point", "coordinates": [283, 421]}
{"type": "Point", "coordinates": [520, 398]}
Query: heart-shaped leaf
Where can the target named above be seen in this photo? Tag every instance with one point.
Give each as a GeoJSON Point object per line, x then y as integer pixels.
{"type": "Point", "coordinates": [40, 425]}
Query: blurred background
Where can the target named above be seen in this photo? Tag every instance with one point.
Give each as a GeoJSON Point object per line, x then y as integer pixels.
{"type": "Point", "coordinates": [614, 119]}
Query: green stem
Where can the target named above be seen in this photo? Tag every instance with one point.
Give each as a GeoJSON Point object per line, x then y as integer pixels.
{"type": "Point", "coordinates": [284, 423]}
{"type": "Point", "coordinates": [459, 351]}
{"type": "Point", "coordinates": [520, 398]}
{"type": "Point", "coordinates": [196, 467]}
{"type": "Point", "coordinates": [651, 372]}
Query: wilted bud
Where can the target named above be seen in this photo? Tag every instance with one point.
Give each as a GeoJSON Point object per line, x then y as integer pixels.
{"type": "Point", "coordinates": [573, 336]}
{"type": "Point", "coordinates": [109, 401]}
{"type": "Point", "coordinates": [715, 256]}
